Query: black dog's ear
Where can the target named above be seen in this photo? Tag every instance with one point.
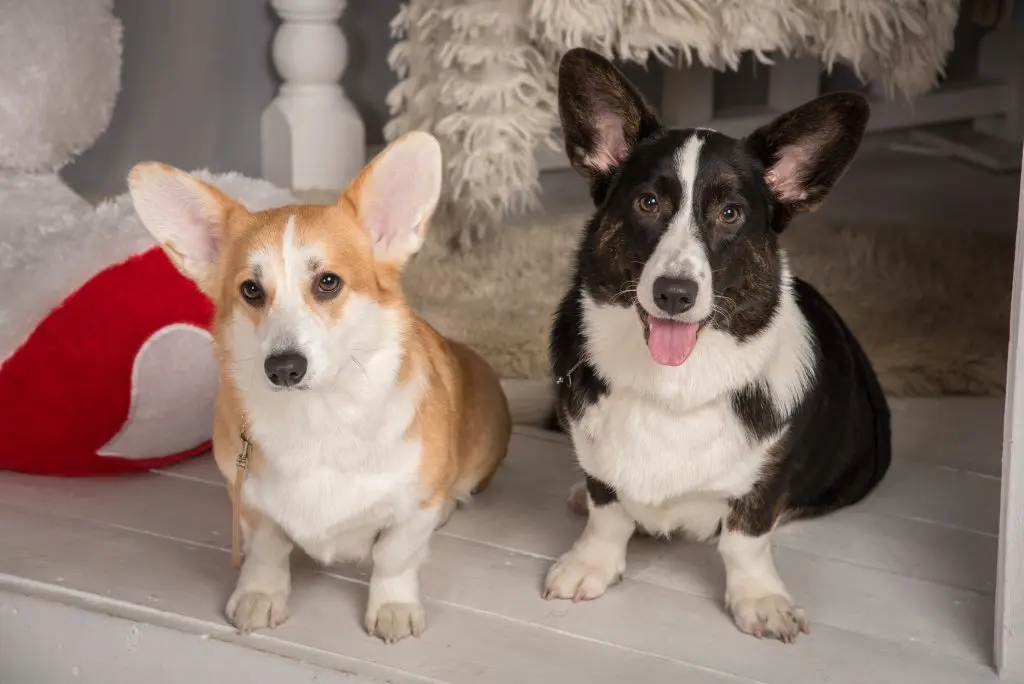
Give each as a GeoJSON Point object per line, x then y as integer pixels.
{"type": "Point", "coordinates": [603, 116]}
{"type": "Point", "coordinates": [806, 150]}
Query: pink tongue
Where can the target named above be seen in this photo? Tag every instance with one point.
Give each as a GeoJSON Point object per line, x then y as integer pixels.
{"type": "Point", "coordinates": [670, 343]}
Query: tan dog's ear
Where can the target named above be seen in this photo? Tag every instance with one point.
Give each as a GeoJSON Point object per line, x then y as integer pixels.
{"type": "Point", "coordinates": [396, 194]}
{"type": "Point", "coordinates": [186, 216]}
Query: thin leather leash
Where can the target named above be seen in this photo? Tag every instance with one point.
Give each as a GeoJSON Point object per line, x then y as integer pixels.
{"type": "Point", "coordinates": [241, 466]}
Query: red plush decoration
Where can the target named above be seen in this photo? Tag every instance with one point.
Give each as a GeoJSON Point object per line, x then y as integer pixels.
{"type": "Point", "coordinates": [120, 377]}
{"type": "Point", "coordinates": [106, 360]}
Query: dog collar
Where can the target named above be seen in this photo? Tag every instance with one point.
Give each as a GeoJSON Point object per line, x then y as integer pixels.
{"type": "Point", "coordinates": [567, 378]}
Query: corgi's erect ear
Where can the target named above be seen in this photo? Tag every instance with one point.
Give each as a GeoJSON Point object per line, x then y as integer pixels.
{"type": "Point", "coordinates": [186, 216]}
{"type": "Point", "coordinates": [603, 116]}
{"type": "Point", "coordinates": [806, 151]}
{"type": "Point", "coordinates": [396, 194]}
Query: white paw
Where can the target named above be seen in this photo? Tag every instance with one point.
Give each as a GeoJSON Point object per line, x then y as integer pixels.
{"type": "Point", "coordinates": [393, 622]}
{"type": "Point", "coordinates": [249, 610]}
{"type": "Point", "coordinates": [773, 615]}
{"type": "Point", "coordinates": [582, 577]}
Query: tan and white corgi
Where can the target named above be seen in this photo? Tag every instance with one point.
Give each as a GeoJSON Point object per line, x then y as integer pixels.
{"type": "Point", "coordinates": [366, 425]}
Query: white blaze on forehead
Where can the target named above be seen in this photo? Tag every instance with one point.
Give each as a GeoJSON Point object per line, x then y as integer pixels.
{"type": "Point", "coordinates": [285, 267]}
{"type": "Point", "coordinates": [680, 252]}
{"type": "Point", "coordinates": [296, 264]}
{"type": "Point", "coordinates": [297, 261]}
{"type": "Point", "coordinates": [290, 254]}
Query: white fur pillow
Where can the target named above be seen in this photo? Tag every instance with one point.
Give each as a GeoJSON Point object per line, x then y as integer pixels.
{"type": "Point", "coordinates": [60, 77]}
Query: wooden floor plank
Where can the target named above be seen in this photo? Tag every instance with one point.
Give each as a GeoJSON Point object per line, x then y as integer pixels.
{"type": "Point", "coordinates": [867, 601]}
{"type": "Point", "coordinates": [201, 468]}
{"type": "Point", "coordinates": [635, 628]}
{"type": "Point", "coordinates": [906, 574]}
{"type": "Point", "coordinates": [963, 433]}
{"type": "Point", "coordinates": [459, 646]}
{"type": "Point", "coordinates": [643, 615]}
{"type": "Point", "coordinates": [524, 512]}
{"type": "Point", "coordinates": [946, 497]}
{"type": "Point", "coordinates": [835, 593]}
{"type": "Point", "coordinates": [913, 548]}
{"type": "Point", "coordinates": [83, 645]}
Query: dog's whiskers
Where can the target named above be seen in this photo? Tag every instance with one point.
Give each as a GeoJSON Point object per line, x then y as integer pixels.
{"type": "Point", "coordinates": [623, 293]}
{"type": "Point", "coordinates": [629, 288]}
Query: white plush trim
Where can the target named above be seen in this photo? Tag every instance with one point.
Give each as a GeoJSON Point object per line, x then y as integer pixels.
{"type": "Point", "coordinates": [60, 78]}
{"type": "Point", "coordinates": [173, 395]}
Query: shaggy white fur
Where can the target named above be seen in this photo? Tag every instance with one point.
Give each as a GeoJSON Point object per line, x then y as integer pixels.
{"type": "Point", "coordinates": [471, 75]}
{"type": "Point", "coordinates": [60, 77]}
{"type": "Point", "coordinates": [52, 241]}
{"type": "Point", "coordinates": [480, 74]}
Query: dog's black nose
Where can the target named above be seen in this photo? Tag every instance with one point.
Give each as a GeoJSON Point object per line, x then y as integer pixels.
{"type": "Point", "coordinates": [675, 295]}
{"type": "Point", "coordinates": [285, 370]}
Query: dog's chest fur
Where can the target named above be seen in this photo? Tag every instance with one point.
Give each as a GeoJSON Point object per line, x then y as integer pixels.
{"type": "Point", "coordinates": [674, 442]}
{"type": "Point", "coordinates": [669, 470]}
{"type": "Point", "coordinates": [334, 471]}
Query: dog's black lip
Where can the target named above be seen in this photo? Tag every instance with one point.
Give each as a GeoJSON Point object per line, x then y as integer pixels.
{"type": "Point", "coordinates": [645, 321]}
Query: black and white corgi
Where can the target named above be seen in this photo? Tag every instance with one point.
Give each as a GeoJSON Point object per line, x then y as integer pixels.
{"type": "Point", "coordinates": [706, 389]}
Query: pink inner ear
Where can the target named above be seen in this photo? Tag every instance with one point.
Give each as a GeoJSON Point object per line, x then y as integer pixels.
{"type": "Point", "coordinates": [180, 214]}
{"type": "Point", "coordinates": [203, 238]}
{"type": "Point", "coordinates": [400, 194]}
{"type": "Point", "coordinates": [383, 224]}
{"type": "Point", "coordinates": [784, 178]}
{"type": "Point", "coordinates": [611, 149]}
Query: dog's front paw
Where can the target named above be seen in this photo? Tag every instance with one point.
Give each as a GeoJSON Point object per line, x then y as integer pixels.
{"type": "Point", "coordinates": [250, 610]}
{"type": "Point", "coordinates": [772, 615]}
{"type": "Point", "coordinates": [582, 577]}
{"type": "Point", "coordinates": [393, 622]}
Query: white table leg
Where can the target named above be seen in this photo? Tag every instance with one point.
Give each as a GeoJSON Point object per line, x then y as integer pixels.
{"type": "Point", "coordinates": [312, 136]}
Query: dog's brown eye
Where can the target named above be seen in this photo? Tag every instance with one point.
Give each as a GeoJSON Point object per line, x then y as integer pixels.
{"type": "Point", "coordinates": [328, 284]}
{"type": "Point", "coordinates": [647, 203]}
{"type": "Point", "coordinates": [251, 291]}
{"type": "Point", "coordinates": [730, 214]}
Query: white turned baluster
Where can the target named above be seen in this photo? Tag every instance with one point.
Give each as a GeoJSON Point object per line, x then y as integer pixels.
{"type": "Point", "coordinates": [312, 136]}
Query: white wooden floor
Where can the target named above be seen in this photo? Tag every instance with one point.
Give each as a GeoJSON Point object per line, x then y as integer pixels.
{"type": "Point", "coordinates": [898, 589]}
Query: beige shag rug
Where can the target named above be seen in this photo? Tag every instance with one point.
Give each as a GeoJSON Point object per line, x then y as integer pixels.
{"type": "Point", "coordinates": [930, 305]}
